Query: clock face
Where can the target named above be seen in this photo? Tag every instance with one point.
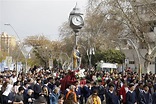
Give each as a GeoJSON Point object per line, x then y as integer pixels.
{"type": "Point", "coordinates": [77, 20]}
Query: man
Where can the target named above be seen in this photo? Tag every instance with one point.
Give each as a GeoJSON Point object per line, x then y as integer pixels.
{"type": "Point", "coordinates": [37, 88]}
{"type": "Point", "coordinates": [131, 95]}
{"type": "Point", "coordinates": [19, 96]}
{"type": "Point", "coordinates": [101, 90]}
{"type": "Point", "coordinates": [145, 97]}
{"type": "Point", "coordinates": [111, 97]}
{"type": "Point", "coordinates": [139, 91]}
{"type": "Point", "coordinates": [87, 90]}
{"type": "Point", "coordinates": [154, 97]}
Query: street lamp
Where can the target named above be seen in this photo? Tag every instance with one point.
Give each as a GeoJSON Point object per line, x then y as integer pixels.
{"type": "Point", "coordinates": [90, 52]}
{"type": "Point", "coordinates": [13, 30]}
{"type": "Point", "coordinates": [138, 55]}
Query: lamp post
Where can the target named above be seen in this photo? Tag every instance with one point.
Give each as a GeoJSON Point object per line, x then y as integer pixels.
{"type": "Point", "coordinates": [138, 55]}
{"type": "Point", "coordinates": [17, 37]}
{"type": "Point", "coordinates": [90, 52]}
{"type": "Point", "coordinates": [7, 24]}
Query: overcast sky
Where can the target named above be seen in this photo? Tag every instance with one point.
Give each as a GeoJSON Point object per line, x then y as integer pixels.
{"type": "Point", "coordinates": [34, 17]}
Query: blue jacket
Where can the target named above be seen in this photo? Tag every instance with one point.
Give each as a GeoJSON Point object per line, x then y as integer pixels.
{"type": "Point", "coordinates": [54, 98]}
{"type": "Point", "coordinates": [101, 92]}
{"type": "Point", "coordinates": [131, 97]}
{"type": "Point", "coordinates": [145, 98]}
{"type": "Point", "coordinates": [86, 91]}
{"type": "Point", "coordinates": [154, 98]}
{"type": "Point", "coordinates": [111, 98]}
{"type": "Point", "coordinates": [78, 91]}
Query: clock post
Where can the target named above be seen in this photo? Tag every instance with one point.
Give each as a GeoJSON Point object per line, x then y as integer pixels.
{"type": "Point", "coordinates": [76, 23]}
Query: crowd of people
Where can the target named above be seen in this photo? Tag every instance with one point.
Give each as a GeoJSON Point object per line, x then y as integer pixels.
{"type": "Point", "coordinates": [45, 86]}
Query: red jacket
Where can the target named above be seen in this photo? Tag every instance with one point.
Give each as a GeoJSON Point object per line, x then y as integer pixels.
{"type": "Point", "coordinates": [123, 93]}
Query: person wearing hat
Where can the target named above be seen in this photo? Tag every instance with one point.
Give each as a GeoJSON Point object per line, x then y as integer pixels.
{"type": "Point", "coordinates": [131, 95]}
{"type": "Point", "coordinates": [111, 97]}
{"type": "Point", "coordinates": [145, 97]}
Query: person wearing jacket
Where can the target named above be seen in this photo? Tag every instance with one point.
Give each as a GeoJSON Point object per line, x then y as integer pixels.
{"type": "Point", "coordinates": [123, 91]}
{"type": "Point", "coordinates": [54, 96]}
{"type": "Point", "coordinates": [131, 95]}
{"type": "Point", "coordinates": [111, 97]}
{"type": "Point", "coordinates": [94, 98]}
{"type": "Point", "coordinates": [145, 97]}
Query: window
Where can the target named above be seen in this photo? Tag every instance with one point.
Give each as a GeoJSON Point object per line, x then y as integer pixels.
{"type": "Point", "coordinates": [131, 62]}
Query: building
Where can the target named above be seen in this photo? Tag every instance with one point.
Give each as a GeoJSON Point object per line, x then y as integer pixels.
{"type": "Point", "coordinates": [7, 43]}
{"type": "Point", "coordinates": [146, 12]}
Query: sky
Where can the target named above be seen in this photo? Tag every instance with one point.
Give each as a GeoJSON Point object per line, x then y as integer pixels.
{"type": "Point", "coordinates": [36, 17]}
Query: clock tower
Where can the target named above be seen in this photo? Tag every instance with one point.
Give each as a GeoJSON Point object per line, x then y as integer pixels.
{"type": "Point", "coordinates": [76, 23]}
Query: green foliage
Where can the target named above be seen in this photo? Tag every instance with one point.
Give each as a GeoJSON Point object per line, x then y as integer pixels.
{"type": "Point", "coordinates": [111, 56]}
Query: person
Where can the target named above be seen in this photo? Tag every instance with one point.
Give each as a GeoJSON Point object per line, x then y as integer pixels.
{"type": "Point", "coordinates": [101, 90]}
{"type": "Point", "coordinates": [87, 90]}
{"type": "Point", "coordinates": [61, 99]}
{"type": "Point", "coordinates": [123, 91]}
{"type": "Point", "coordinates": [28, 99]}
{"type": "Point", "coordinates": [79, 93]}
{"type": "Point", "coordinates": [46, 93]}
{"type": "Point", "coordinates": [71, 97]}
{"type": "Point", "coordinates": [154, 97]}
{"type": "Point", "coordinates": [37, 88]}
{"type": "Point", "coordinates": [19, 96]}
{"type": "Point", "coordinates": [111, 97]}
{"type": "Point", "coordinates": [139, 91]}
{"type": "Point", "coordinates": [40, 100]}
{"type": "Point", "coordinates": [76, 57]}
{"type": "Point", "coordinates": [131, 95]}
{"type": "Point", "coordinates": [145, 97]}
{"type": "Point", "coordinates": [94, 98]}
{"type": "Point", "coordinates": [54, 96]}
{"type": "Point", "coordinates": [5, 95]}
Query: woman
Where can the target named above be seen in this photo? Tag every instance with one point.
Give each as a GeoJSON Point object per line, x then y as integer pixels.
{"type": "Point", "coordinates": [54, 96]}
{"type": "Point", "coordinates": [94, 98]}
{"type": "Point", "coordinates": [46, 93]}
{"type": "Point", "coordinates": [70, 99]}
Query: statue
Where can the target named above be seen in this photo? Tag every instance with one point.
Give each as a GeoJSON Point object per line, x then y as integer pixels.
{"type": "Point", "coordinates": [76, 58]}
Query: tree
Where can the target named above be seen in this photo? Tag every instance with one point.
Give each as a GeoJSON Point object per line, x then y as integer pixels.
{"type": "Point", "coordinates": [44, 49]}
{"type": "Point", "coordinates": [133, 23]}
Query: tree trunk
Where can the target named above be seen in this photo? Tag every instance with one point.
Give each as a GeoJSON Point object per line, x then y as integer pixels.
{"type": "Point", "coordinates": [147, 63]}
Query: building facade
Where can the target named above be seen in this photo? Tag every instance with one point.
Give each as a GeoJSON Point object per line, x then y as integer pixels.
{"type": "Point", "coordinates": [146, 12]}
{"type": "Point", "coordinates": [7, 42]}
